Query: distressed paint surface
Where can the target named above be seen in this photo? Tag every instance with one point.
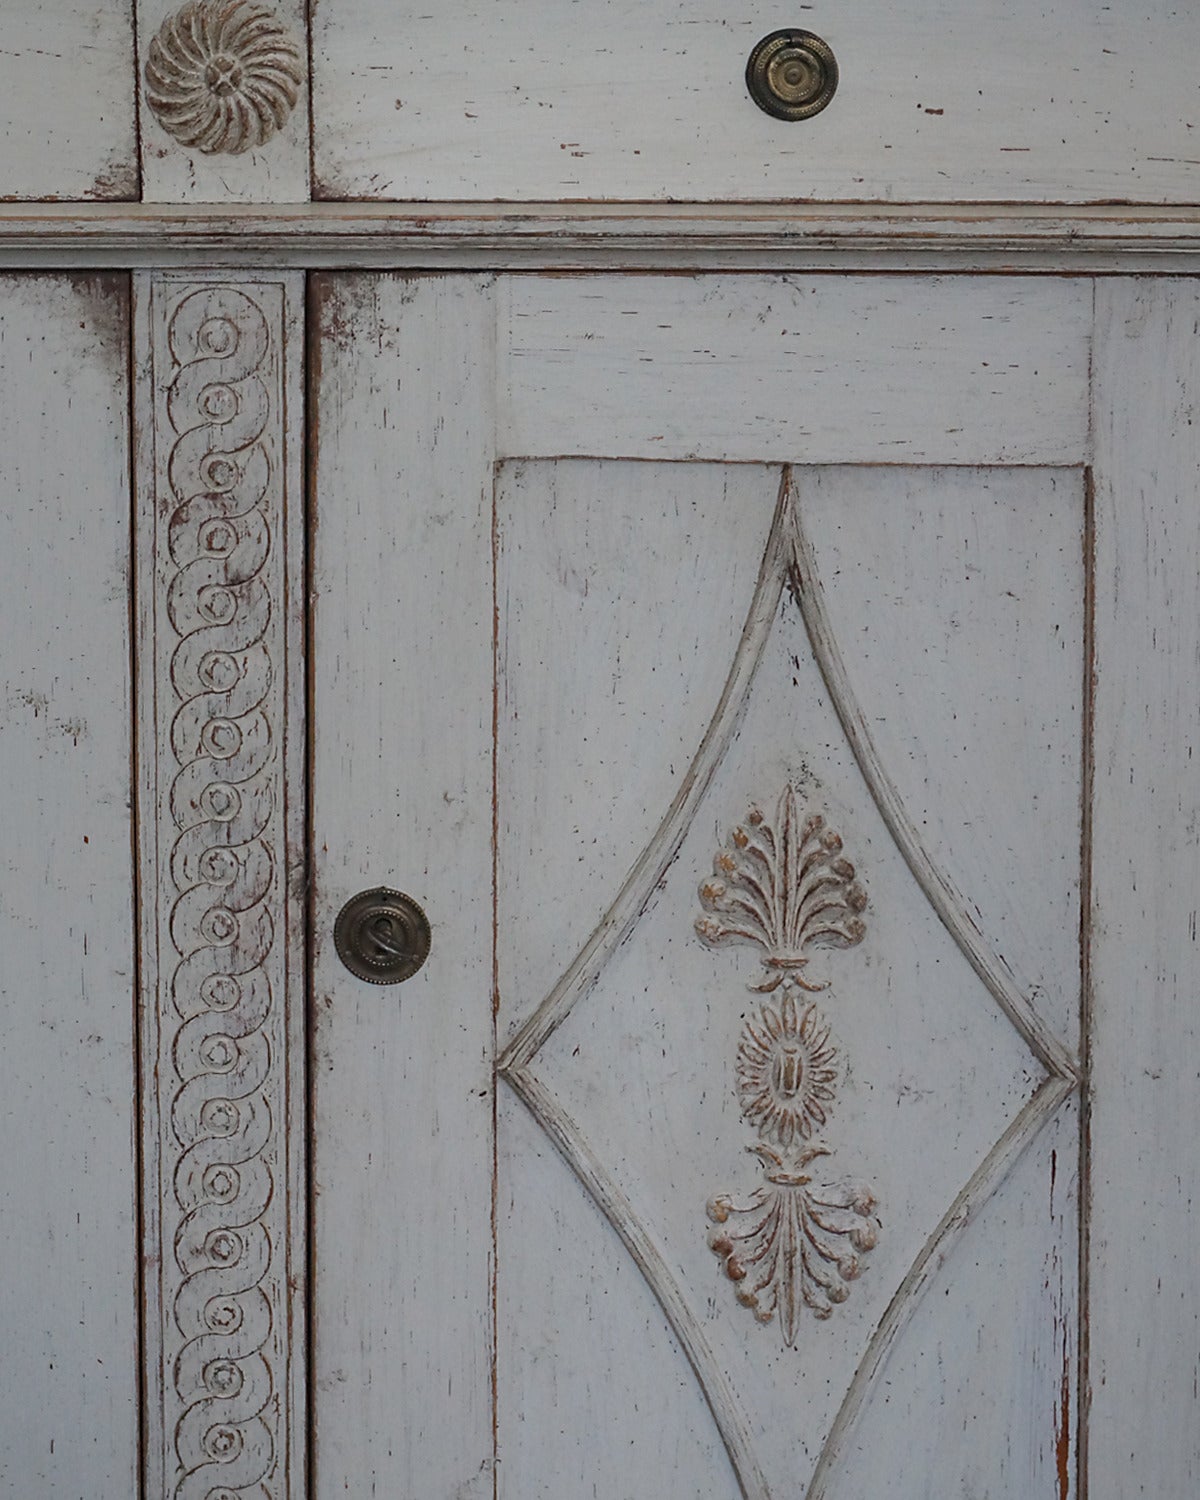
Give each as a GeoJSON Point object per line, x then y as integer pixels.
{"type": "Point", "coordinates": [616, 1028]}
{"type": "Point", "coordinates": [221, 797]}
{"type": "Point", "coordinates": [594, 374]}
{"type": "Point", "coordinates": [67, 108]}
{"type": "Point", "coordinates": [1008, 631]}
{"type": "Point", "coordinates": [255, 164]}
{"type": "Point", "coordinates": [626, 1069]}
{"type": "Point", "coordinates": [402, 772]}
{"type": "Point", "coordinates": [1144, 1267]}
{"type": "Point", "coordinates": [787, 238]}
{"type": "Point", "coordinates": [824, 369]}
{"type": "Point", "coordinates": [68, 1188]}
{"type": "Point", "coordinates": [1071, 101]}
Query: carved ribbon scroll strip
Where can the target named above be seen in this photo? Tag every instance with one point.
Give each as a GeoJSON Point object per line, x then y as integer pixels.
{"type": "Point", "coordinates": [798, 1240]}
{"type": "Point", "coordinates": [218, 551]}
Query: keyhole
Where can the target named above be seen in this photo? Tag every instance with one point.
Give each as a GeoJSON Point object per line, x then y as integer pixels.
{"type": "Point", "coordinates": [381, 936]}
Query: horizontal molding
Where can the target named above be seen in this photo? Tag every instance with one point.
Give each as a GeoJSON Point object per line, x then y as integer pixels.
{"type": "Point", "coordinates": [603, 236]}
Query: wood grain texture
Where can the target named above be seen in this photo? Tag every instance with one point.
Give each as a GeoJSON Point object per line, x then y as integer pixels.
{"type": "Point", "coordinates": [1069, 102]}
{"type": "Point", "coordinates": [1145, 1266]}
{"type": "Point", "coordinates": [960, 921]}
{"type": "Point", "coordinates": [577, 1415]}
{"type": "Point", "coordinates": [981, 574]}
{"type": "Point", "coordinates": [622, 552]}
{"type": "Point", "coordinates": [636, 1089]}
{"type": "Point", "coordinates": [402, 796]}
{"type": "Point", "coordinates": [980, 1395]}
{"type": "Point", "coordinates": [67, 108]}
{"type": "Point", "coordinates": [221, 805]}
{"type": "Point", "coordinates": [784, 237]}
{"type": "Point", "coordinates": [621, 1064]}
{"type": "Point", "coordinates": [852, 370]}
{"type": "Point", "coordinates": [68, 1188]}
{"type": "Point", "coordinates": [227, 75]}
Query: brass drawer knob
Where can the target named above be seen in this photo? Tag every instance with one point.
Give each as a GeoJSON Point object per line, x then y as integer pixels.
{"type": "Point", "coordinates": [382, 936]}
{"type": "Point", "coordinates": [792, 74]}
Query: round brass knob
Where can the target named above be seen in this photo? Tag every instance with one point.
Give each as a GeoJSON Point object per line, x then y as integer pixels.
{"type": "Point", "coordinates": [382, 936]}
{"type": "Point", "coordinates": [792, 74]}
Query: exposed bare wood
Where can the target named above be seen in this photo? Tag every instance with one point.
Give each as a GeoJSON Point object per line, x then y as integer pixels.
{"type": "Point", "coordinates": [599, 1151]}
{"type": "Point", "coordinates": [828, 370]}
{"type": "Point", "coordinates": [984, 1182]}
{"type": "Point", "coordinates": [648, 870]}
{"type": "Point", "coordinates": [67, 110]}
{"type": "Point", "coordinates": [588, 1165]}
{"type": "Point", "coordinates": [753, 613]}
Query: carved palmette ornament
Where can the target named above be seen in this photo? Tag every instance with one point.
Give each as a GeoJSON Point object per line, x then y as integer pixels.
{"type": "Point", "coordinates": [787, 887]}
{"type": "Point", "coordinates": [793, 1244]}
{"type": "Point", "coordinates": [222, 76]}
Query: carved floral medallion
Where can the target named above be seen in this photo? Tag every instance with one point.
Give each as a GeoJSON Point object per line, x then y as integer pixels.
{"type": "Point", "coordinates": [786, 1071]}
{"type": "Point", "coordinates": [797, 1241]}
{"type": "Point", "coordinates": [222, 76]}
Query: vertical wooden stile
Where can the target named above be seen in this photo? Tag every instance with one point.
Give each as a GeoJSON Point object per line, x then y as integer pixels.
{"type": "Point", "coordinates": [1144, 1260]}
{"type": "Point", "coordinates": [219, 543]}
{"type": "Point", "coordinates": [68, 1221]}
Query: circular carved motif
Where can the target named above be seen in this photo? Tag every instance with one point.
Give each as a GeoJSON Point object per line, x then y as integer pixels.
{"type": "Point", "coordinates": [222, 76]}
{"type": "Point", "coordinates": [786, 1071]}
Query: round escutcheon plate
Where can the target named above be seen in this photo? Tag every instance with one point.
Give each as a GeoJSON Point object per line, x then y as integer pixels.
{"type": "Point", "coordinates": [382, 936]}
{"type": "Point", "coordinates": [792, 74]}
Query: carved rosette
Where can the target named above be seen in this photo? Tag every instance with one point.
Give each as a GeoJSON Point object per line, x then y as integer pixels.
{"type": "Point", "coordinates": [797, 1241]}
{"type": "Point", "coordinates": [221, 851]}
{"type": "Point", "coordinates": [222, 76]}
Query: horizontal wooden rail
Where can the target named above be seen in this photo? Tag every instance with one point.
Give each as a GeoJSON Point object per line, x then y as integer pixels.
{"type": "Point", "coordinates": [676, 236]}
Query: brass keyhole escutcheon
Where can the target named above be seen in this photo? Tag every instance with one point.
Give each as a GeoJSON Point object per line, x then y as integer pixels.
{"type": "Point", "coordinates": [792, 74]}
{"type": "Point", "coordinates": [382, 936]}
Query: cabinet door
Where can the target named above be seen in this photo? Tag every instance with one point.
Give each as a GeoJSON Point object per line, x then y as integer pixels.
{"type": "Point", "coordinates": [763, 686]}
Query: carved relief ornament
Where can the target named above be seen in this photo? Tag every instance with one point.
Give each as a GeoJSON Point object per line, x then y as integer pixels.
{"type": "Point", "coordinates": [786, 887]}
{"type": "Point", "coordinates": [222, 76]}
{"type": "Point", "coordinates": [217, 822]}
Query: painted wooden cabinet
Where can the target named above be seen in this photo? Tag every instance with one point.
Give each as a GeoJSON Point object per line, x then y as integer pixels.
{"type": "Point", "coordinates": [763, 640]}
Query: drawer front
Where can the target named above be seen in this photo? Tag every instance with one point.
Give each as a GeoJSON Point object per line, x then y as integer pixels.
{"type": "Point", "coordinates": [1070, 101]}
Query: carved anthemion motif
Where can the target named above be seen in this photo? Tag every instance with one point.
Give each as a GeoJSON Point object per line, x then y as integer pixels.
{"type": "Point", "coordinates": [793, 1244]}
{"type": "Point", "coordinates": [796, 1242]}
{"type": "Point", "coordinates": [220, 1353]}
{"type": "Point", "coordinates": [222, 76]}
{"type": "Point", "coordinates": [786, 887]}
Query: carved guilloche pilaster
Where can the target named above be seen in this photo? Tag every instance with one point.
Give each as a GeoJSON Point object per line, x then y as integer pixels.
{"type": "Point", "coordinates": [219, 553]}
